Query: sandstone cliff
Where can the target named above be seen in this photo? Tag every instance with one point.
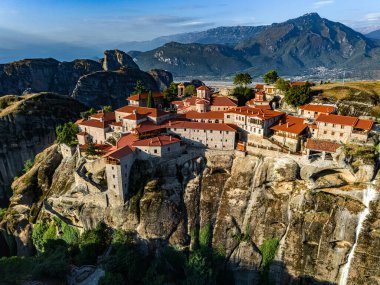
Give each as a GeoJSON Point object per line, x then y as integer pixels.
{"type": "Point", "coordinates": [27, 126]}
{"type": "Point", "coordinates": [116, 59]}
{"type": "Point", "coordinates": [247, 200]}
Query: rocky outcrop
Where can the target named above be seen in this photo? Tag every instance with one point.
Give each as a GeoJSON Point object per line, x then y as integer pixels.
{"type": "Point", "coordinates": [246, 201]}
{"type": "Point", "coordinates": [163, 78]}
{"type": "Point", "coordinates": [116, 59]}
{"type": "Point", "coordinates": [43, 75]}
{"type": "Point", "coordinates": [111, 87]}
{"type": "Point", "coordinates": [27, 127]}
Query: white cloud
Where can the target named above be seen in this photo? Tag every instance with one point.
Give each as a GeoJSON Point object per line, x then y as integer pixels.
{"type": "Point", "coordinates": [373, 17]}
{"type": "Point", "coordinates": [322, 3]}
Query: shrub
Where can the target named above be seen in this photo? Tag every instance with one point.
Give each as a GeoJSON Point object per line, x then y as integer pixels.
{"type": "Point", "coordinates": [2, 213]}
{"type": "Point", "coordinates": [28, 164]}
{"type": "Point", "coordinates": [268, 252]}
{"type": "Point", "coordinates": [38, 232]}
{"type": "Point", "coordinates": [67, 134]}
{"type": "Point", "coordinates": [3, 104]}
{"type": "Point", "coordinates": [205, 236]}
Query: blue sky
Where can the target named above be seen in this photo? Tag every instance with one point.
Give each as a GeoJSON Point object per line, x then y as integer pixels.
{"type": "Point", "coordinates": [108, 21]}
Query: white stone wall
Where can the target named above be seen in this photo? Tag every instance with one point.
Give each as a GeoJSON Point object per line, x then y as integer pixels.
{"type": "Point", "coordinates": [98, 135]}
{"type": "Point", "coordinates": [223, 140]}
{"type": "Point", "coordinates": [333, 132]}
{"type": "Point", "coordinates": [147, 152]}
{"type": "Point", "coordinates": [118, 178]}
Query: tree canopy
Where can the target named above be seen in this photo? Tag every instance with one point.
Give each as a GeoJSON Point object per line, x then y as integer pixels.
{"type": "Point", "coordinates": [150, 102]}
{"type": "Point", "coordinates": [190, 90]}
{"type": "Point", "coordinates": [298, 95]}
{"type": "Point", "coordinates": [170, 93]}
{"type": "Point", "coordinates": [107, 109]}
{"type": "Point", "coordinates": [88, 113]}
{"type": "Point", "coordinates": [282, 84]}
{"type": "Point", "coordinates": [67, 134]}
{"type": "Point", "coordinates": [270, 77]}
{"type": "Point", "coordinates": [242, 79]}
{"type": "Point", "coordinates": [139, 88]}
{"type": "Point", "coordinates": [242, 94]}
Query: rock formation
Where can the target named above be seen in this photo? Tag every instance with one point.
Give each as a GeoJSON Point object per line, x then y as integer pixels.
{"type": "Point", "coordinates": [247, 200]}
{"type": "Point", "coordinates": [116, 59]}
{"type": "Point", "coordinates": [110, 87]}
{"type": "Point", "coordinates": [163, 78]}
{"type": "Point", "coordinates": [27, 127]}
{"type": "Point", "coordinates": [39, 75]}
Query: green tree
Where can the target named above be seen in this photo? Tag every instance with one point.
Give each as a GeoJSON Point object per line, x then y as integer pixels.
{"type": "Point", "coordinates": [88, 113]}
{"type": "Point", "coordinates": [170, 93]}
{"type": "Point", "coordinates": [139, 88]}
{"type": "Point", "coordinates": [150, 102]}
{"type": "Point", "coordinates": [242, 94]}
{"type": "Point", "coordinates": [67, 134]}
{"type": "Point", "coordinates": [298, 95]}
{"type": "Point", "coordinates": [28, 164]}
{"type": "Point", "coordinates": [282, 84]}
{"type": "Point", "coordinates": [190, 90]}
{"type": "Point", "coordinates": [107, 109]}
{"type": "Point", "coordinates": [242, 79]}
{"type": "Point", "coordinates": [270, 77]}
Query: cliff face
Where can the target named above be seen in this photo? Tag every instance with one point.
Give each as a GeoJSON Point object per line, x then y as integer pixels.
{"type": "Point", "coordinates": [111, 87]}
{"type": "Point", "coordinates": [246, 200]}
{"type": "Point", "coordinates": [116, 59]}
{"type": "Point", "coordinates": [40, 75]}
{"type": "Point", "coordinates": [27, 127]}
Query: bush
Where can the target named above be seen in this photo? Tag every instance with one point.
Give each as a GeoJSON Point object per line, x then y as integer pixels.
{"type": "Point", "coordinates": [92, 243]}
{"type": "Point", "coordinates": [298, 95]}
{"type": "Point", "coordinates": [38, 232]}
{"type": "Point", "coordinates": [268, 252]}
{"type": "Point", "coordinates": [205, 236]}
{"type": "Point", "coordinates": [2, 213]}
{"type": "Point", "coordinates": [67, 134]}
{"type": "Point", "coordinates": [88, 113]}
{"type": "Point", "coordinates": [28, 164]}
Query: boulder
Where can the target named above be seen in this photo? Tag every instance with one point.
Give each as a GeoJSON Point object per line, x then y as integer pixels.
{"type": "Point", "coordinates": [365, 173]}
{"type": "Point", "coordinates": [283, 169]}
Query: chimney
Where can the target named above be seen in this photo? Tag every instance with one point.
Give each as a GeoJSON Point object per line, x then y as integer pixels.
{"type": "Point", "coordinates": [287, 125]}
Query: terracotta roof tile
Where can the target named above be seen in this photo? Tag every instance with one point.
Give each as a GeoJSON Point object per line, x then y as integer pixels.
{"type": "Point", "coordinates": [205, 115]}
{"type": "Point", "coordinates": [157, 141]}
{"type": "Point", "coordinates": [120, 152]}
{"type": "Point", "coordinates": [94, 124]}
{"type": "Point", "coordinates": [261, 113]}
{"type": "Point", "coordinates": [291, 124]}
{"type": "Point", "coordinates": [203, 88]}
{"type": "Point", "coordinates": [144, 96]}
{"type": "Point", "coordinates": [322, 145]}
{"type": "Point", "coordinates": [151, 112]}
{"type": "Point", "coordinates": [345, 120]}
{"type": "Point", "coordinates": [223, 101]}
{"type": "Point", "coordinates": [125, 140]}
{"type": "Point", "coordinates": [318, 108]}
{"type": "Point", "coordinates": [108, 116]}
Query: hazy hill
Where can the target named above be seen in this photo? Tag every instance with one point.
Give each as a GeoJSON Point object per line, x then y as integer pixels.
{"type": "Point", "coordinates": [374, 35]}
{"type": "Point", "coordinates": [220, 35]}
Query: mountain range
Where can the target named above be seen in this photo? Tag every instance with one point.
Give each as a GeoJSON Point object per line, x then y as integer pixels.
{"type": "Point", "coordinates": [308, 46]}
{"type": "Point", "coordinates": [302, 46]}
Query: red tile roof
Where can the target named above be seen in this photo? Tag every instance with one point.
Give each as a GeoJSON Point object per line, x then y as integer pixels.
{"type": "Point", "coordinates": [219, 115]}
{"type": "Point", "coordinates": [261, 113]}
{"type": "Point", "coordinates": [135, 117]}
{"type": "Point", "coordinates": [125, 140]}
{"type": "Point", "coordinates": [259, 86]}
{"type": "Point", "coordinates": [203, 88]}
{"type": "Point", "coordinates": [318, 108]}
{"type": "Point", "coordinates": [200, 126]}
{"type": "Point", "coordinates": [117, 124]}
{"type": "Point", "coordinates": [144, 96]}
{"type": "Point", "coordinates": [119, 153]}
{"type": "Point", "coordinates": [148, 127]}
{"type": "Point", "coordinates": [157, 141]}
{"type": "Point", "coordinates": [322, 145]}
{"type": "Point", "coordinates": [108, 116]}
{"type": "Point", "coordinates": [291, 124]}
{"type": "Point", "coordinates": [151, 112]}
{"type": "Point", "coordinates": [345, 120]}
{"type": "Point", "coordinates": [223, 101]}
{"type": "Point", "coordinates": [93, 123]}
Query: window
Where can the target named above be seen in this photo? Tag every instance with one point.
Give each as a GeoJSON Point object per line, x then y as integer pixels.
{"type": "Point", "coordinates": [185, 130]}
{"type": "Point", "coordinates": [113, 176]}
{"type": "Point", "coordinates": [333, 125]}
{"type": "Point", "coordinates": [228, 116]}
{"type": "Point", "coordinates": [332, 133]}
{"type": "Point", "coordinates": [211, 131]}
{"type": "Point", "coordinates": [155, 151]}
{"type": "Point", "coordinates": [341, 126]}
{"type": "Point", "coordinates": [324, 132]}
{"type": "Point", "coordinates": [220, 132]}
{"type": "Point", "coordinates": [325, 124]}
{"type": "Point", "coordinates": [114, 186]}
{"type": "Point", "coordinates": [112, 168]}
{"type": "Point", "coordinates": [168, 148]}
{"type": "Point", "coordinates": [341, 134]}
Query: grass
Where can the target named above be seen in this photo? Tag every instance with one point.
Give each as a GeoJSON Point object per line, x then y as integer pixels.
{"type": "Point", "coordinates": [338, 90]}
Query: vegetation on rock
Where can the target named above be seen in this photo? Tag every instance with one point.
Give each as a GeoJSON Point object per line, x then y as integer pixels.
{"type": "Point", "coordinates": [67, 134]}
